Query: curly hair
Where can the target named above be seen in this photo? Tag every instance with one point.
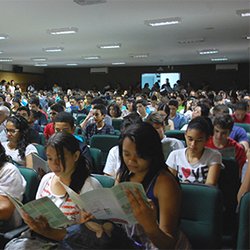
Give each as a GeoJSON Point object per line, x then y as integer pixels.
{"type": "Point", "coordinates": [3, 157]}
{"type": "Point", "coordinates": [22, 125]}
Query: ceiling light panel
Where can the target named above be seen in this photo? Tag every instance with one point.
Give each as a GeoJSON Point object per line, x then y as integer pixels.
{"type": "Point", "coordinates": [39, 59]}
{"type": "Point", "coordinates": [110, 46]}
{"type": "Point", "coordinates": [163, 21]}
{"type": "Point", "coordinates": [41, 64]}
{"type": "Point", "coordinates": [243, 13]}
{"type": "Point", "coordinates": [53, 49]}
{"type": "Point", "coordinates": [89, 2]}
{"type": "Point", "coordinates": [63, 31]}
{"type": "Point", "coordinates": [6, 59]}
{"type": "Point", "coordinates": [222, 59]}
{"type": "Point", "coordinates": [192, 40]}
{"type": "Point", "coordinates": [3, 37]}
{"type": "Point", "coordinates": [139, 56]}
{"type": "Point", "coordinates": [208, 51]}
{"type": "Point", "coordinates": [71, 64]}
{"type": "Point", "coordinates": [118, 63]}
{"type": "Point", "coordinates": [91, 57]}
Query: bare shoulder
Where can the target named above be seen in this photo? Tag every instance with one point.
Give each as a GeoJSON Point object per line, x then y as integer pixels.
{"type": "Point", "coordinates": [166, 183]}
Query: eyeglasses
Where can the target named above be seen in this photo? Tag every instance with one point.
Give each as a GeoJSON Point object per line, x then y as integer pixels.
{"type": "Point", "coordinates": [11, 131]}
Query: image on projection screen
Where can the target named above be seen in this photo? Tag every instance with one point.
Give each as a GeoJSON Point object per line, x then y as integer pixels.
{"type": "Point", "coordinates": [151, 78]}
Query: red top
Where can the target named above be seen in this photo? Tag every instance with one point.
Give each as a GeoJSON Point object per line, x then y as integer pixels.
{"type": "Point", "coordinates": [240, 154]}
{"type": "Point", "coordinates": [49, 130]}
{"type": "Point", "coordinates": [245, 120]}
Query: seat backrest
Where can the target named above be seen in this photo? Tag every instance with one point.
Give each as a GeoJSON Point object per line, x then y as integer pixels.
{"type": "Point", "coordinates": [41, 150]}
{"type": "Point", "coordinates": [106, 181]}
{"type": "Point", "coordinates": [243, 239]}
{"type": "Point", "coordinates": [104, 143]}
{"type": "Point", "coordinates": [32, 182]}
{"type": "Point", "coordinates": [96, 155]}
{"type": "Point", "coordinates": [201, 218]}
{"type": "Point", "coordinates": [116, 123]}
{"type": "Point", "coordinates": [246, 126]}
{"type": "Point", "coordinates": [42, 138]}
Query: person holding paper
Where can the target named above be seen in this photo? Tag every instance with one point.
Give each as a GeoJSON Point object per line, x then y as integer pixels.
{"type": "Point", "coordinates": [142, 161]}
{"type": "Point", "coordinates": [12, 182]}
{"type": "Point", "coordinates": [19, 146]}
{"type": "Point", "coordinates": [69, 167]}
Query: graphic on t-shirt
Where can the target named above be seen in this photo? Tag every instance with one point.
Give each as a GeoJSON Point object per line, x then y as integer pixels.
{"type": "Point", "coordinates": [192, 175]}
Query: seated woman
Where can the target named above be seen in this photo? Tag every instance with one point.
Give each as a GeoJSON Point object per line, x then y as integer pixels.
{"type": "Point", "coordinates": [68, 165]}
{"type": "Point", "coordinates": [196, 163]}
{"type": "Point", "coordinates": [114, 111]}
{"type": "Point", "coordinates": [164, 110]}
{"type": "Point", "coordinates": [18, 146]}
{"type": "Point", "coordinates": [12, 182]}
{"type": "Point", "coordinates": [142, 161]}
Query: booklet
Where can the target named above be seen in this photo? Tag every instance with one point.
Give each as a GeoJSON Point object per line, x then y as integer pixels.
{"type": "Point", "coordinates": [108, 203]}
{"type": "Point", "coordinates": [40, 164]}
{"type": "Point", "coordinates": [42, 207]}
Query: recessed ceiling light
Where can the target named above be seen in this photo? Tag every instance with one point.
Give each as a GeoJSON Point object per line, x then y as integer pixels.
{"type": "Point", "coordinates": [193, 40]}
{"type": "Point", "coordinates": [163, 21]}
{"type": "Point", "coordinates": [54, 49]}
{"type": "Point", "coordinates": [118, 63]}
{"type": "Point", "coordinates": [88, 2]}
{"type": "Point", "coordinates": [1, 52]}
{"type": "Point", "coordinates": [110, 46]}
{"type": "Point", "coordinates": [6, 59]}
{"type": "Point", "coordinates": [243, 13]}
{"type": "Point", "coordinates": [92, 57]}
{"type": "Point", "coordinates": [62, 31]}
{"type": "Point", "coordinates": [208, 51]}
{"type": "Point", "coordinates": [219, 59]}
{"type": "Point", "coordinates": [140, 56]}
{"type": "Point", "coordinates": [41, 64]}
{"type": "Point", "coordinates": [71, 64]}
{"type": "Point", "coordinates": [3, 37]}
{"type": "Point", "coordinates": [39, 59]}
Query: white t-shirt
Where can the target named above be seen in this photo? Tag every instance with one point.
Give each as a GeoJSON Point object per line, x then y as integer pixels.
{"type": "Point", "coordinates": [113, 162]}
{"type": "Point", "coordinates": [196, 172]}
{"type": "Point", "coordinates": [12, 182]}
{"type": "Point", "coordinates": [66, 205]}
{"type": "Point", "coordinates": [15, 154]}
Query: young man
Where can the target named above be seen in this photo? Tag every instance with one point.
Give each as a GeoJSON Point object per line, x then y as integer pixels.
{"type": "Point", "coordinates": [178, 119]}
{"type": "Point", "coordinates": [240, 114]}
{"type": "Point", "coordinates": [49, 129]}
{"type": "Point", "coordinates": [99, 126]}
{"type": "Point", "coordinates": [168, 144]}
{"type": "Point", "coordinates": [34, 105]}
{"type": "Point", "coordinates": [223, 125]}
{"type": "Point", "coordinates": [64, 121]}
{"type": "Point", "coordinates": [141, 107]}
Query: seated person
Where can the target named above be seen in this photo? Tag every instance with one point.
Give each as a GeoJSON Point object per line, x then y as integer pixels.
{"type": "Point", "coordinates": [245, 186]}
{"type": "Point", "coordinates": [113, 161]}
{"type": "Point", "coordinates": [39, 114]}
{"type": "Point", "coordinates": [164, 111]}
{"type": "Point", "coordinates": [141, 107]}
{"type": "Point", "coordinates": [64, 121]}
{"type": "Point", "coordinates": [114, 111]}
{"type": "Point", "coordinates": [18, 146]}
{"type": "Point", "coordinates": [240, 114]}
{"type": "Point", "coordinates": [223, 125]}
{"type": "Point", "coordinates": [168, 144]}
{"type": "Point", "coordinates": [90, 117]}
{"type": "Point", "coordinates": [12, 182]}
{"type": "Point", "coordinates": [238, 134]}
{"type": "Point", "coordinates": [49, 129]}
{"type": "Point", "coordinates": [99, 127]}
{"type": "Point", "coordinates": [196, 163]}
{"type": "Point", "coordinates": [67, 164]}
{"type": "Point", "coordinates": [178, 119]}
{"type": "Point", "coordinates": [24, 111]}
{"type": "Point", "coordinates": [4, 114]}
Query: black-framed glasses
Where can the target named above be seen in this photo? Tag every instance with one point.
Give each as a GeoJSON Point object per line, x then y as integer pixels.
{"type": "Point", "coordinates": [11, 131]}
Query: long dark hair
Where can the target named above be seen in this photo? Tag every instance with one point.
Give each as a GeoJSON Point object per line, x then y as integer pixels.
{"type": "Point", "coordinates": [3, 157]}
{"type": "Point", "coordinates": [22, 125]}
{"type": "Point", "coordinates": [64, 140]}
{"type": "Point", "coordinates": [148, 147]}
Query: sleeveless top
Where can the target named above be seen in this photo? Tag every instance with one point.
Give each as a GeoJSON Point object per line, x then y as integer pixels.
{"type": "Point", "coordinates": [137, 234]}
